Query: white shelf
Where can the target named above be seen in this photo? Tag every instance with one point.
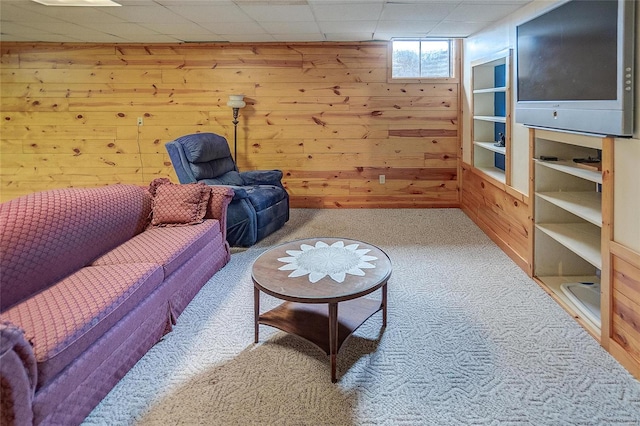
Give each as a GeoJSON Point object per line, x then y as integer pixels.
{"type": "Point", "coordinates": [491, 90]}
{"type": "Point", "coordinates": [492, 118]}
{"type": "Point", "coordinates": [491, 147]}
{"type": "Point", "coordinates": [586, 205]}
{"type": "Point", "coordinates": [569, 168]}
{"type": "Point", "coordinates": [581, 238]}
{"type": "Point", "coordinates": [553, 283]}
{"type": "Point", "coordinates": [493, 172]}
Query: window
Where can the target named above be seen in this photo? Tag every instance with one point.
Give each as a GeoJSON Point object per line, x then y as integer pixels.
{"type": "Point", "coordinates": [421, 58]}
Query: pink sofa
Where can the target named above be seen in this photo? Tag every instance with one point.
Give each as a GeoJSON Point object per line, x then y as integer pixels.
{"type": "Point", "coordinates": [87, 286]}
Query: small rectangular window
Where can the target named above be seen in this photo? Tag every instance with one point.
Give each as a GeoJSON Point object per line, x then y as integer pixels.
{"type": "Point", "coordinates": [422, 58]}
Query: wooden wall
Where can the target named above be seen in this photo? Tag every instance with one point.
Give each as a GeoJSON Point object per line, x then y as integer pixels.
{"type": "Point", "coordinates": [501, 212]}
{"type": "Point", "coordinates": [624, 329]}
{"type": "Point", "coordinates": [322, 113]}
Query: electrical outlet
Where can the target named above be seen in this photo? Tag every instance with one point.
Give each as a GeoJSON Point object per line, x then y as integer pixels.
{"type": "Point", "coordinates": [140, 122]}
{"type": "Point", "coordinates": [382, 179]}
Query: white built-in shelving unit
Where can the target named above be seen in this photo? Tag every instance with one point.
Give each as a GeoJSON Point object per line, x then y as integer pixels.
{"type": "Point", "coordinates": [491, 109]}
{"type": "Point", "coordinates": [568, 219]}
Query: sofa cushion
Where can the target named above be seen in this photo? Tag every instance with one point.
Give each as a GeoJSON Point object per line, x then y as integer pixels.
{"type": "Point", "coordinates": [66, 318]}
{"type": "Point", "coordinates": [180, 204]}
{"type": "Point", "coordinates": [169, 247]}
{"type": "Point", "coordinates": [48, 235]}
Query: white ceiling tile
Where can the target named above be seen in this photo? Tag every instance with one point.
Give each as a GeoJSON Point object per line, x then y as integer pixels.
{"type": "Point", "coordinates": [248, 29]}
{"type": "Point", "coordinates": [474, 12]}
{"type": "Point", "coordinates": [123, 28]}
{"type": "Point", "coordinates": [59, 27]}
{"type": "Point", "coordinates": [360, 11]}
{"type": "Point", "coordinates": [278, 12]}
{"type": "Point", "coordinates": [354, 26]}
{"type": "Point", "coordinates": [457, 29]}
{"type": "Point", "coordinates": [212, 13]}
{"type": "Point", "coordinates": [379, 35]}
{"type": "Point", "coordinates": [199, 38]}
{"type": "Point", "coordinates": [176, 28]}
{"type": "Point", "coordinates": [98, 37]}
{"type": "Point", "coordinates": [248, 38]}
{"type": "Point", "coordinates": [194, 2]}
{"type": "Point", "coordinates": [57, 38]}
{"type": "Point", "coordinates": [299, 37]}
{"type": "Point", "coordinates": [295, 27]}
{"type": "Point", "coordinates": [400, 27]}
{"type": "Point", "coordinates": [417, 12]}
{"type": "Point", "coordinates": [348, 36]}
{"type": "Point", "coordinates": [155, 13]}
{"type": "Point", "coordinates": [152, 38]}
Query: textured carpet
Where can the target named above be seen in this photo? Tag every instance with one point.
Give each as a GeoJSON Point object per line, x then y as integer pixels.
{"type": "Point", "coordinates": [470, 340]}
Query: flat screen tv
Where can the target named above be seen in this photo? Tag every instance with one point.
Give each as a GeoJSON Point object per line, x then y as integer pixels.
{"type": "Point", "coordinates": [574, 67]}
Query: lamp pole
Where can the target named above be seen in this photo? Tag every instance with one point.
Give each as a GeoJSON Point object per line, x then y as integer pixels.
{"type": "Point", "coordinates": [236, 102]}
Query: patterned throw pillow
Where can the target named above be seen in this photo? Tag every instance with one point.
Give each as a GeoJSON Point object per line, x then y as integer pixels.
{"type": "Point", "coordinates": [175, 205]}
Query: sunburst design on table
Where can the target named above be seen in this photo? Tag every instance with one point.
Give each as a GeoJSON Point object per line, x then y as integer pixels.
{"type": "Point", "coordinates": [335, 260]}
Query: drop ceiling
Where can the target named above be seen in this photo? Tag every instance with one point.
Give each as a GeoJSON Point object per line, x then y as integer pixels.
{"type": "Point", "coordinates": [171, 21]}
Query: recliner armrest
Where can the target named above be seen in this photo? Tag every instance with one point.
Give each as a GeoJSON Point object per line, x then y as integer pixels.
{"type": "Point", "coordinates": [262, 177]}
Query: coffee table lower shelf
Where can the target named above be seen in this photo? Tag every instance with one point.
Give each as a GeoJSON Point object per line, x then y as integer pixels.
{"type": "Point", "coordinates": [311, 321]}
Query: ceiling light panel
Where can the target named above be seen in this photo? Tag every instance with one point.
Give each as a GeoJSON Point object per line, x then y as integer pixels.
{"type": "Point", "coordinates": [93, 3]}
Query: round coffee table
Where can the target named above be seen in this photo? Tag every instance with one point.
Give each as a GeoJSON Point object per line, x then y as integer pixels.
{"type": "Point", "coordinates": [313, 276]}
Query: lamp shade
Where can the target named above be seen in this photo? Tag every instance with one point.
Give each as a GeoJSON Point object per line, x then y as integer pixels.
{"type": "Point", "coordinates": [236, 101]}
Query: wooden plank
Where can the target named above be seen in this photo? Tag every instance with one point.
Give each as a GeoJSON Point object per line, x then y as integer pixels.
{"type": "Point", "coordinates": [105, 118]}
{"type": "Point", "coordinates": [75, 146]}
{"type": "Point", "coordinates": [217, 93]}
{"type": "Point", "coordinates": [414, 103]}
{"type": "Point", "coordinates": [114, 61]}
{"type": "Point", "coordinates": [626, 325]}
{"type": "Point", "coordinates": [281, 75]}
{"type": "Point", "coordinates": [31, 104]}
{"type": "Point", "coordinates": [356, 89]}
{"type": "Point", "coordinates": [34, 132]}
{"type": "Point", "coordinates": [413, 146]}
{"type": "Point", "coordinates": [625, 279]}
{"type": "Point", "coordinates": [327, 118]}
{"type": "Point", "coordinates": [113, 161]}
{"type": "Point", "coordinates": [138, 76]}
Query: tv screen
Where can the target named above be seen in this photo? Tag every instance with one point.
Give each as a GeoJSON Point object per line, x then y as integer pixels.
{"type": "Point", "coordinates": [574, 68]}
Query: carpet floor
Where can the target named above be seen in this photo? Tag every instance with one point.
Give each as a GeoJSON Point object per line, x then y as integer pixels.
{"type": "Point", "coordinates": [470, 340]}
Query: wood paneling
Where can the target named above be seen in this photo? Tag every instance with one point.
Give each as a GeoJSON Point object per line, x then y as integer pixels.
{"type": "Point", "coordinates": [324, 113]}
{"type": "Point", "coordinates": [502, 215]}
{"type": "Point", "coordinates": [625, 308]}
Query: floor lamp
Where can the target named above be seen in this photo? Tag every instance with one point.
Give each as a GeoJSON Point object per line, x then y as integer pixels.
{"type": "Point", "coordinates": [236, 102]}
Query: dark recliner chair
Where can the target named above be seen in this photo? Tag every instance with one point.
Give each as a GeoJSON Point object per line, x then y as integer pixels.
{"type": "Point", "coordinates": [260, 205]}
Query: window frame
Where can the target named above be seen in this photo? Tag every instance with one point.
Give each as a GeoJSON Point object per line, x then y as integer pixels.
{"type": "Point", "coordinates": [455, 57]}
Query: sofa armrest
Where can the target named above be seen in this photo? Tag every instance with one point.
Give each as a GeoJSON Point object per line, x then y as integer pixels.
{"type": "Point", "coordinates": [18, 376]}
{"type": "Point", "coordinates": [262, 177]}
{"type": "Point", "coordinates": [219, 201]}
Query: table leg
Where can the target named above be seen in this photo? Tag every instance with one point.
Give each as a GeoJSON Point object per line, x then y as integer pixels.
{"type": "Point", "coordinates": [333, 338]}
{"type": "Point", "coordinates": [384, 305]}
{"type": "Point", "coordinates": [256, 311]}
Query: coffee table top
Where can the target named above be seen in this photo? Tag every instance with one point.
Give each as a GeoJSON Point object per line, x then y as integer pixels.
{"type": "Point", "coordinates": [321, 270]}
